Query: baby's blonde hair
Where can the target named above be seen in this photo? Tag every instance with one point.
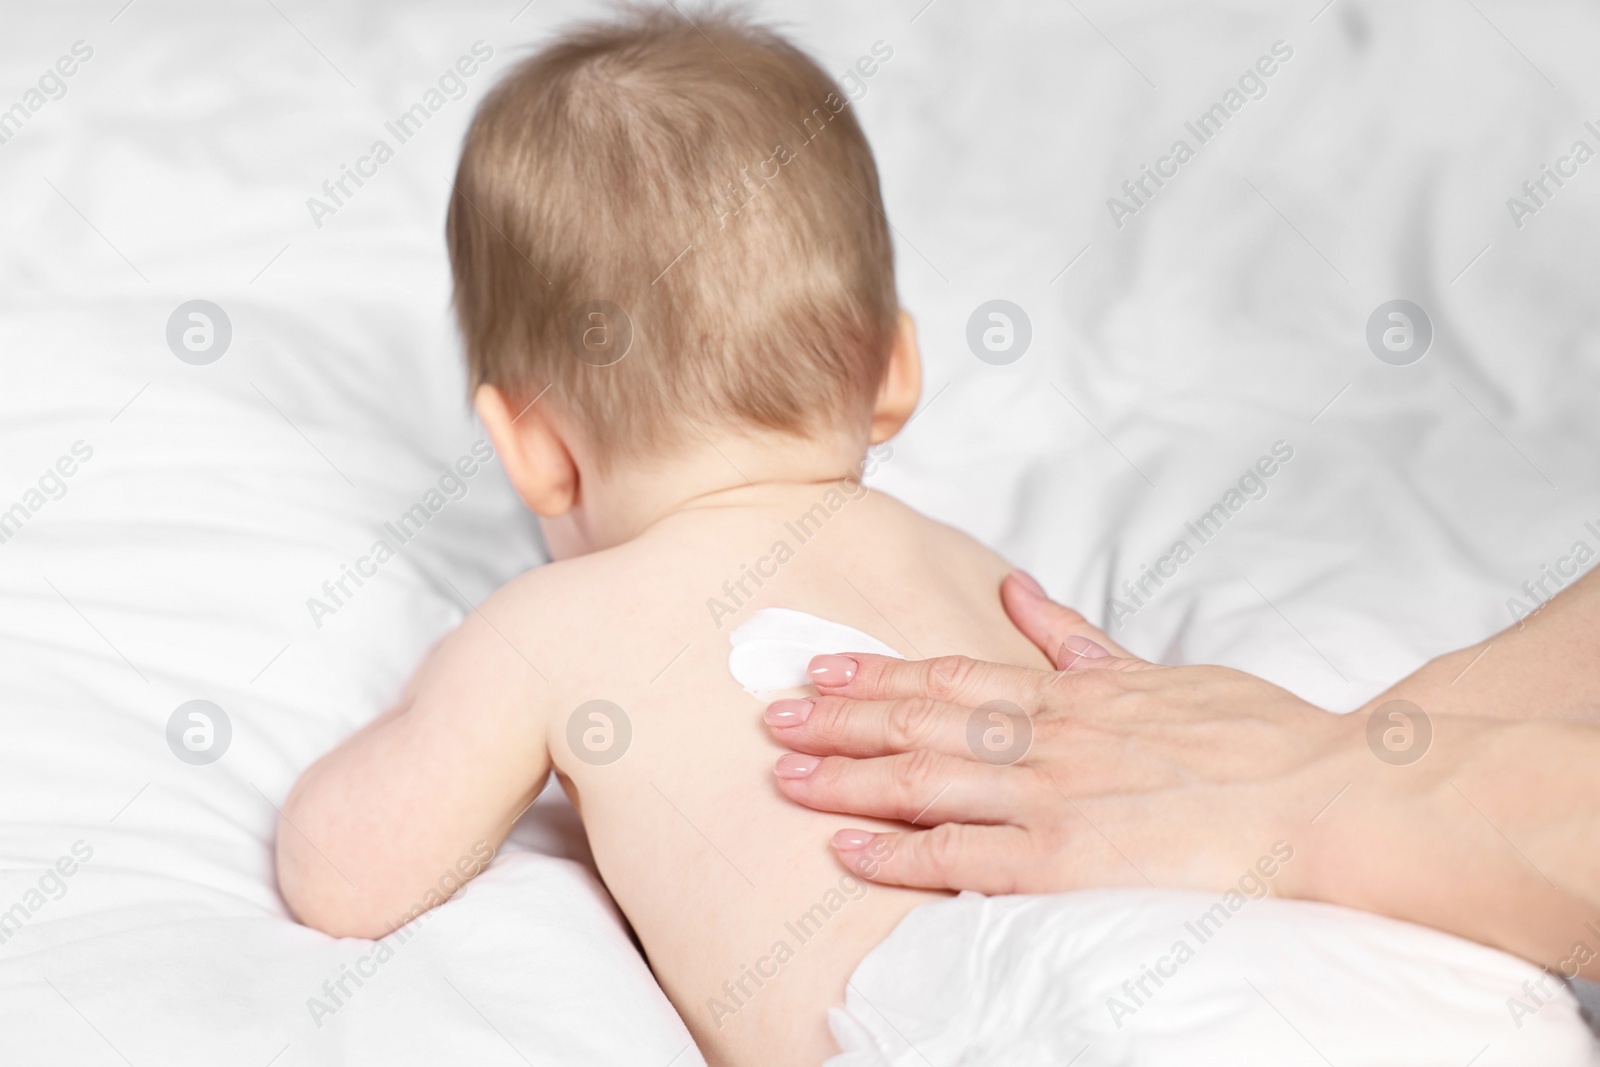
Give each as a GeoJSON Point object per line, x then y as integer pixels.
{"type": "Point", "coordinates": [704, 176]}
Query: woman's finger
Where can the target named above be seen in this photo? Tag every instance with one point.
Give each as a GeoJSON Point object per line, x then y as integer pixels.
{"type": "Point", "coordinates": [1082, 654]}
{"type": "Point", "coordinates": [915, 787]}
{"type": "Point", "coordinates": [838, 726]}
{"type": "Point", "coordinates": [988, 859]}
{"type": "Point", "coordinates": [1051, 626]}
{"type": "Point", "coordinates": [952, 855]}
{"type": "Point", "coordinates": [947, 679]}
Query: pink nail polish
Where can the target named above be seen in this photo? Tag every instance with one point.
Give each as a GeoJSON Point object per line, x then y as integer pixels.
{"type": "Point", "coordinates": [788, 712]}
{"type": "Point", "coordinates": [851, 840]}
{"type": "Point", "coordinates": [1083, 648]}
{"type": "Point", "coordinates": [832, 671]}
{"type": "Point", "coordinates": [794, 765]}
{"type": "Point", "coordinates": [1029, 583]}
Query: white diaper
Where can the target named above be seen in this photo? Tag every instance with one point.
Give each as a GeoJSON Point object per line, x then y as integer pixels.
{"type": "Point", "coordinates": [1143, 977]}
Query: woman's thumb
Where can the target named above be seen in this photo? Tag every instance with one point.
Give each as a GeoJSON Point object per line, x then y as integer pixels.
{"type": "Point", "coordinates": [1063, 635]}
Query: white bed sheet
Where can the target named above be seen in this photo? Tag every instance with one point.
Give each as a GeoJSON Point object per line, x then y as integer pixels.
{"type": "Point", "coordinates": [1166, 356]}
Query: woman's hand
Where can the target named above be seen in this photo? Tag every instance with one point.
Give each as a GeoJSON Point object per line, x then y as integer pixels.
{"type": "Point", "coordinates": [1110, 771]}
{"type": "Point", "coordinates": [1113, 771]}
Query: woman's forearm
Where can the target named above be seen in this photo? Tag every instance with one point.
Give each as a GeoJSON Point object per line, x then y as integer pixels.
{"type": "Point", "coordinates": [1499, 834]}
{"type": "Point", "coordinates": [1547, 665]}
{"type": "Point", "coordinates": [1493, 835]}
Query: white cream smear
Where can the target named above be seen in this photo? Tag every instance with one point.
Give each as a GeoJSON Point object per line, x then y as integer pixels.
{"type": "Point", "coordinates": [768, 653]}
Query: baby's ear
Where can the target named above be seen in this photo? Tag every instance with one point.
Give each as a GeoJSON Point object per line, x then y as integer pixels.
{"type": "Point", "coordinates": [532, 449]}
{"type": "Point", "coordinates": [902, 382]}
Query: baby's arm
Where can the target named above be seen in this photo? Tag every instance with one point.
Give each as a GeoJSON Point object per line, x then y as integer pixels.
{"type": "Point", "coordinates": [405, 810]}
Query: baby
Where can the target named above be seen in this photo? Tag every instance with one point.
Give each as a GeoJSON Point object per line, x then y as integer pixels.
{"type": "Point", "coordinates": [675, 282]}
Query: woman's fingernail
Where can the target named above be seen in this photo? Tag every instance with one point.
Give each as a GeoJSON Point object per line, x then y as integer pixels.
{"type": "Point", "coordinates": [850, 840]}
{"type": "Point", "coordinates": [794, 765]}
{"type": "Point", "coordinates": [1083, 648]}
{"type": "Point", "coordinates": [1029, 583]}
{"type": "Point", "coordinates": [788, 712]}
{"type": "Point", "coordinates": [832, 670]}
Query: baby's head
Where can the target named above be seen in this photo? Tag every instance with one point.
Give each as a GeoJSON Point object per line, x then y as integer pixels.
{"type": "Point", "coordinates": [673, 273]}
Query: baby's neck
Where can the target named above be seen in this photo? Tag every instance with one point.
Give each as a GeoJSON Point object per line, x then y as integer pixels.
{"type": "Point", "coordinates": [725, 471]}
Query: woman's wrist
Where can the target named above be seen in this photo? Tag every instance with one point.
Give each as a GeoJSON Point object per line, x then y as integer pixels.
{"type": "Point", "coordinates": [1323, 843]}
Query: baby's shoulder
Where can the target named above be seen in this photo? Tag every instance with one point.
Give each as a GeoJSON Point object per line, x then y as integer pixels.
{"type": "Point", "coordinates": [552, 590]}
{"type": "Point", "coordinates": [561, 601]}
{"type": "Point", "coordinates": [940, 539]}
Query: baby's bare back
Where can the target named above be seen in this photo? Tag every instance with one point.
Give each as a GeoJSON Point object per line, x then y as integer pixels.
{"type": "Point", "coordinates": [751, 924]}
